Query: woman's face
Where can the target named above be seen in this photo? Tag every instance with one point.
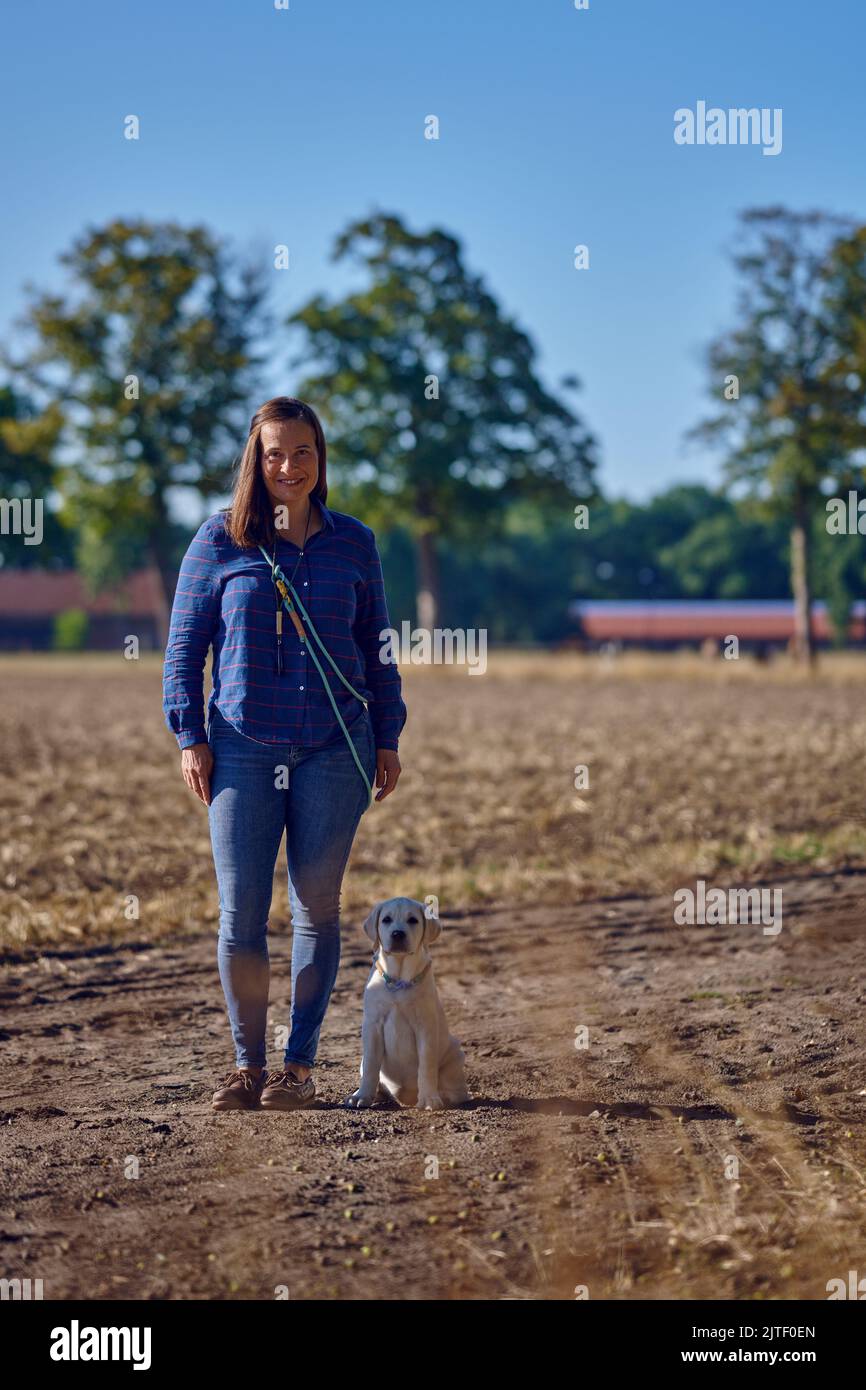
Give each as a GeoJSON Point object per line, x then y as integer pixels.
{"type": "Point", "coordinates": [290, 464]}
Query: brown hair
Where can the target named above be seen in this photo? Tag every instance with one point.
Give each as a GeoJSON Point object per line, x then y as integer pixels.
{"type": "Point", "coordinates": [250, 518]}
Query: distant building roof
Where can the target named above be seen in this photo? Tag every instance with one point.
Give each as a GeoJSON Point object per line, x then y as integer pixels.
{"type": "Point", "coordinates": [43, 593]}
{"type": "Point", "coordinates": [687, 619]}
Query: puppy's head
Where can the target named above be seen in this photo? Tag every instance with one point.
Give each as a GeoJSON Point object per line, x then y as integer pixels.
{"type": "Point", "coordinates": [400, 926]}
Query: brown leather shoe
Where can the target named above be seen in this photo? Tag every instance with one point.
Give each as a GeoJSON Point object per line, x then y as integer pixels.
{"type": "Point", "coordinates": [282, 1091]}
{"type": "Point", "coordinates": [239, 1091]}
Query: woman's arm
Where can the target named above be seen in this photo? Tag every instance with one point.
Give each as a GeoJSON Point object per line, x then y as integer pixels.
{"type": "Point", "coordinates": [195, 618]}
{"type": "Point", "coordinates": [387, 710]}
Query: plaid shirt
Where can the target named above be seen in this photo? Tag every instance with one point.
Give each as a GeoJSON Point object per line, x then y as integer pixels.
{"type": "Point", "coordinates": [225, 598]}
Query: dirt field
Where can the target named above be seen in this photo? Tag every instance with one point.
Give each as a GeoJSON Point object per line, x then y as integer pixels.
{"type": "Point", "coordinates": [720, 770]}
{"type": "Point", "coordinates": [708, 1142]}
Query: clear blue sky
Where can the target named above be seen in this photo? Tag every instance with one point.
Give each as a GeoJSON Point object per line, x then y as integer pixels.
{"type": "Point", "coordinates": [556, 128]}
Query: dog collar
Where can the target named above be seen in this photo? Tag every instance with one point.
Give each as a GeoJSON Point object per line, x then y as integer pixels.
{"type": "Point", "coordinates": [399, 984]}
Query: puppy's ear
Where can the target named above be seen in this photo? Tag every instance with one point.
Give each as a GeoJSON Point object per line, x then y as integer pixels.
{"type": "Point", "coordinates": [432, 927]}
{"type": "Point", "coordinates": [371, 926]}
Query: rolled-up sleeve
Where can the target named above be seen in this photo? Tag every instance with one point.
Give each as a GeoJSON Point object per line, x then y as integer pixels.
{"type": "Point", "coordinates": [195, 618]}
{"type": "Point", "coordinates": [387, 710]}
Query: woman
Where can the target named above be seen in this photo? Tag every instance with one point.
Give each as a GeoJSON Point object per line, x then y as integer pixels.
{"type": "Point", "coordinates": [275, 756]}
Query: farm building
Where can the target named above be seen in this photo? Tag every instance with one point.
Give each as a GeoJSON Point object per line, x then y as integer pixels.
{"type": "Point", "coordinates": [36, 605]}
{"type": "Point", "coordinates": [666, 624]}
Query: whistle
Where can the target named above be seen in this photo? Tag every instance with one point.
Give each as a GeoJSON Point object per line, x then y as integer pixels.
{"type": "Point", "coordinates": [299, 629]}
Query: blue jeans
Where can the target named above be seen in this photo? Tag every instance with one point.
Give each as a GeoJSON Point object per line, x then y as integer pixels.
{"type": "Point", "coordinates": [316, 795]}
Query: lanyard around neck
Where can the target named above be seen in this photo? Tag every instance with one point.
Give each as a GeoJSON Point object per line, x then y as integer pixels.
{"type": "Point", "coordinates": [283, 586]}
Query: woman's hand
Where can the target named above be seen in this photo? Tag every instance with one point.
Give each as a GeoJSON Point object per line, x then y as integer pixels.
{"type": "Point", "coordinates": [196, 764]}
{"type": "Point", "coordinates": [387, 771]}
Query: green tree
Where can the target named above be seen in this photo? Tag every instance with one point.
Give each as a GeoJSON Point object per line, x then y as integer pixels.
{"type": "Point", "coordinates": [841, 559]}
{"type": "Point", "coordinates": [840, 576]}
{"type": "Point", "coordinates": [434, 408]}
{"type": "Point", "coordinates": [624, 552]}
{"type": "Point", "coordinates": [150, 360]}
{"type": "Point", "coordinates": [788, 435]}
{"type": "Point", "coordinates": [734, 553]}
{"type": "Point", "coordinates": [70, 630]}
{"type": "Point", "coordinates": [28, 443]}
{"type": "Point", "coordinates": [846, 300]}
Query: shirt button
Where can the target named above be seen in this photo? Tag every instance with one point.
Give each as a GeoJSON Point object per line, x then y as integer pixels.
{"type": "Point", "coordinates": [305, 583]}
{"type": "Point", "coordinates": [300, 687]}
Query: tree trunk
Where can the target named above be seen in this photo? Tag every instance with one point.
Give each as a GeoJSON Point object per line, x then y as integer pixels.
{"type": "Point", "coordinates": [428, 596]}
{"type": "Point", "coordinates": [801, 585]}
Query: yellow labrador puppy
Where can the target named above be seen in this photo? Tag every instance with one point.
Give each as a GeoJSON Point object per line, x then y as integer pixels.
{"type": "Point", "coordinates": [408, 1052]}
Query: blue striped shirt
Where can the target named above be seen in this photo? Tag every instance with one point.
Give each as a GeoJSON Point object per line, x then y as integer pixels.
{"type": "Point", "coordinates": [225, 598]}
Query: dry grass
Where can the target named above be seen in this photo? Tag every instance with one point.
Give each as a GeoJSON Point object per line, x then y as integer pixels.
{"type": "Point", "coordinates": [695, 768]}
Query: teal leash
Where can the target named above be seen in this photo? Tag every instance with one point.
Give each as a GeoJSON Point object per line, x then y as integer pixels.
{"type": "Point", "coordinates": [285, 588]}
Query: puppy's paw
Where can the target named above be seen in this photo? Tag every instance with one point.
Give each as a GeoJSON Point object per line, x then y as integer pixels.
{"type": "Point", "coordinates": [359, 1099]}
{"type": "Point", "coordinates": [431, 1102]}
